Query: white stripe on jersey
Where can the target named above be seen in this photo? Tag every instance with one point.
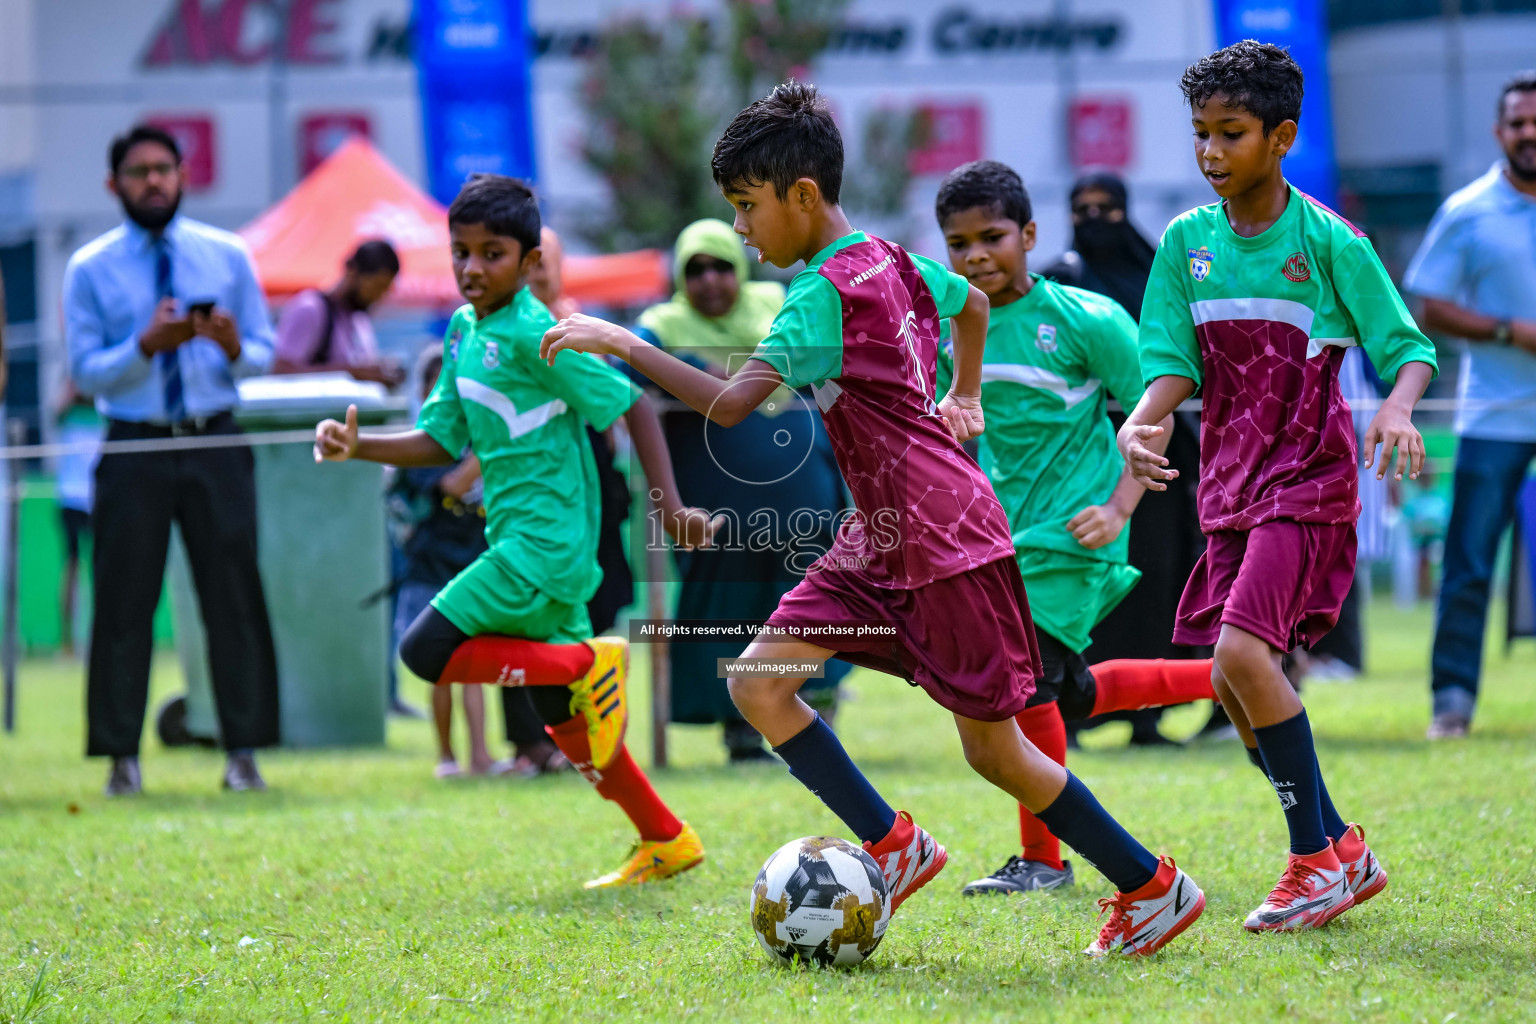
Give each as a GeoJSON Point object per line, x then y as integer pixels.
{"type": "Point", "coordinates": [1042, 379]}
{"type": "Point", "coordinates": [518, 423]}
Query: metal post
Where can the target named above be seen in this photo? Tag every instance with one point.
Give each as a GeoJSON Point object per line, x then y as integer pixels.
{"type": "Point", "coordinates": [661, 657]}
{"type": "Point", "coordinates": [16, 432]}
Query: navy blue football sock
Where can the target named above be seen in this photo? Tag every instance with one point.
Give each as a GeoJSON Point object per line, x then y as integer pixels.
{"type": "Point", "coordinates": [1333, 825]}
{"type": "Point", "coordinates": [1078, 819]}
{"type": "Point", "coordinates": [1292, 768]}
{"type": "Point", "coordinates": [816, 757]}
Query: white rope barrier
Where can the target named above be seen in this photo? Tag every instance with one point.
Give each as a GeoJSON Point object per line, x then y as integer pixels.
{"type": "Point", "coordinates": [307, 435]}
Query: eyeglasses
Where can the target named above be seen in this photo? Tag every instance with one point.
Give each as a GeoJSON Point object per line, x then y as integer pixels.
{"type": "Point", "coordinates": [141, 172]}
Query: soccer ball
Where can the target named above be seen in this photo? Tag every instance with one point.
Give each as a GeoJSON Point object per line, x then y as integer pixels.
{"type": "Point", "coordinates": [822, 900]}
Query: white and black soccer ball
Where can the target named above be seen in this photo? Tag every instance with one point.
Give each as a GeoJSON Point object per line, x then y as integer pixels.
{"type": "Point", "coordinates": [820, 900]}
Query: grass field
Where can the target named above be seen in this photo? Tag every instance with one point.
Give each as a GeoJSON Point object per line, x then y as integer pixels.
{"type": "Point", "coordinates": [359, 888]}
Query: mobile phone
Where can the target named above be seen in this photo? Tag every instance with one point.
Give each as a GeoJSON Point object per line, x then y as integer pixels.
{"type": "Point", "coordinates": [203, 307]}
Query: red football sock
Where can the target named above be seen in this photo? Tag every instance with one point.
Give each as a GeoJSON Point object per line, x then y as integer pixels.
{"type": "Point", "coordinates": [1130, 685]}
{"type": "Point", "coordinates": [1042, 726]}
{"type": "Point", "coordinates": [513, 661]}
{"type": "Point", "coordinates": [623, 782]}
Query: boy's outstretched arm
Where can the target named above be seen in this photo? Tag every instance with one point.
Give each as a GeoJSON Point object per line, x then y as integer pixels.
{"type": "Point", "coordinates": [1136, 439]}
{"type": "Point", "coordinates": [411, 449]}
{"type": "Point", "coordinates": [688, 527]}
{"type": "Point", "coordinates": [726, 402]}
{"type": "Point", "coordinates": [961, 407]}
{"type": "Point", "coordinates": [1392, 426]}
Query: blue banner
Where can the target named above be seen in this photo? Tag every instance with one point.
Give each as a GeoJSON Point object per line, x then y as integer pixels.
{"type": "Point", "coordinates": [472, 62]}
{"type": "Point", "coordinates": [1301, 26]}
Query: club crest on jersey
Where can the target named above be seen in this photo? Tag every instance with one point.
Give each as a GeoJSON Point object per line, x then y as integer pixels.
{"type": "Point", "coordinates": [1296, 267]}
{"type": "Point", "coordinates": [1045, 338]}
{"type": "Point", "coordinates": [1200, 263]}
{"type": "Point", "coordinates": [492, 357]}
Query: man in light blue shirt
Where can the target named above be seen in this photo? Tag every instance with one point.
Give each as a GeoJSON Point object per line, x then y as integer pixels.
{"type": "Point", "coordinates": [162, 315]}
{"type": "Point", "coordinates": [1476, 274]}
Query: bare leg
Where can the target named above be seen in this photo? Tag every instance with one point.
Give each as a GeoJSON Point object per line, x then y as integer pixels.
{"type": "Point", "coordinates": [1233, 706]}
{"type": "Point", "coordinates": [1000, 754]}
{"type": "Point", "coordinates": [473, 699]}
{"type": "Point", "coordinates": [67, 607]}
{"type": "Point", "coordinates": [771, 703]}
{"type": "Point", "coordinates": [442, 717]}
{"type": "Point", "coordinates": [1249, 669]}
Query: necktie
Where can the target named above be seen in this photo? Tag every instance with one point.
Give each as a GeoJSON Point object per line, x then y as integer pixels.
{"type": "Point", "coordinates": [169, 362]}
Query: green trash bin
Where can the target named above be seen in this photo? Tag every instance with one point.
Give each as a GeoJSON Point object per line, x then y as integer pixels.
{"type": "Point", "coordinates": [323, 554]}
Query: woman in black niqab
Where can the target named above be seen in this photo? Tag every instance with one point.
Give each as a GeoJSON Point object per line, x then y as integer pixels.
{"type": "Point", "coordinates": [1108, 254]}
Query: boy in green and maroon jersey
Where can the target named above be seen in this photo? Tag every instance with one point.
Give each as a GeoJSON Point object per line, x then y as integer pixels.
{"type": "Point", "coordinates": [927, 559]}
{"type": "Point", "coordinates": [1253, 300]}
{"type": "Point", "coordinates": [1053, 356]}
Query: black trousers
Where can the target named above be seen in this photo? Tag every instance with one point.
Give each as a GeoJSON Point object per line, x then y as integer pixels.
{"type": "Point", "coordinates": [211, 494]}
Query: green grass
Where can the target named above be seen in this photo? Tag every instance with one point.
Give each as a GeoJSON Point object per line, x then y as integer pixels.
{"type": "Point", "coordinates": [359, 888]}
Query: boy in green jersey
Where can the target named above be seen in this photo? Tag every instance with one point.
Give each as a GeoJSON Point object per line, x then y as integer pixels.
{"type": "Point", "coordinates": [517, 616]}
{"type": "Point", "coordinates": [1253, 300]}
{"type": "Point", "coordinates": [1053, 355]}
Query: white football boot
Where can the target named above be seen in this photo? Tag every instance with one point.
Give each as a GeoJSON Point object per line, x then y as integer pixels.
{"type": "Point", "coordinates": [1144, 921]}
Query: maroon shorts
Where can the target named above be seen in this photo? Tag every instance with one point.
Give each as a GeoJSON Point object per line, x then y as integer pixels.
{"type": "Point", "coordinates": [1282, 581]}
{"type": "Point", "coordinates": [968, 640]}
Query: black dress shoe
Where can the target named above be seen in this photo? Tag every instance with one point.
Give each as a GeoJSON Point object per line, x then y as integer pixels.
{"type": "Point", "coordinates": [123, 779]}
{"type": "Point", "coordinates": [240, 774]}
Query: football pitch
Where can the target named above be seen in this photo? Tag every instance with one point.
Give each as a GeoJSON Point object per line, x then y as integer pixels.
{"type": "Point", "coordinates": [360, 889]}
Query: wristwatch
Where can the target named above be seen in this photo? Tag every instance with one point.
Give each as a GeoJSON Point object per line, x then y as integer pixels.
{"type": "Point", "coordinates": [1502, 332]}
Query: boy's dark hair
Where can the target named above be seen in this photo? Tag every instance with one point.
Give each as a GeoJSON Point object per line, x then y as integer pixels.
{"type": "Point", "coordinates": [373, 256]}
{"type": "Point", "coordinates": [135, 135]}
{"type": "Point", "coordinates": [506, 206]}
{"type": "Point", "coordinates": [1524, 81]}
{"type": "Point", "coordinates": [1259, 77]}
{"type": "Point", "coordinates": [987, 184]}
{"type": "Point", "coordinates": [787, 135]}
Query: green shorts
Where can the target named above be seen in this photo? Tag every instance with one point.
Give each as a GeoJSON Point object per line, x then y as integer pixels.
{"type": "Point", "coordinates": [489, 598]}
{"type": "Point", "coordinates": [1068, 595]}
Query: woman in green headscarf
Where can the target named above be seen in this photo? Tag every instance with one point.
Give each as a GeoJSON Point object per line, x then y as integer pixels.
{"type": "Point", "coordinates": [766, 473]}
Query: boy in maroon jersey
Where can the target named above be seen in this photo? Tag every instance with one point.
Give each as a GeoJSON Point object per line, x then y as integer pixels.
{"type": "Point", "coordinates": [1254, 299]}
{"type": "Point", "coordinates": [929, 555]}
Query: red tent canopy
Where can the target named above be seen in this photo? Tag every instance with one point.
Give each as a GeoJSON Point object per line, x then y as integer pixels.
{"type": "Point", "coordinates": [356, 195]}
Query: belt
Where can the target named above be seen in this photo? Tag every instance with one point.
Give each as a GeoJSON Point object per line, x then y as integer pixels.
{"type": "Point", "coordinates": [195, 426]}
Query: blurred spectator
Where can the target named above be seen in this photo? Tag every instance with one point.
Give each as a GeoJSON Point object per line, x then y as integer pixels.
{"type": "Point", "coordinates": [79, 428]}
{"type": "Point", "coordinates": [4, 360]}
{"type": "Point", "coordinates": [162, 314]}
{"type": "Point", "coordinates": [718, 313]}
{"type": "Point", "coordinates": [331, 331]}
{"type": "Point", "coordinates": [1476, 273]}
{"type": "Point", "coordinates": [1340, 655]}
{"type": "Point", "coordinates": [438, 523]}
{"type": "Point", "coordinates": [547, 279]}
{"type": "Point", "coordinates": [1109, 256]}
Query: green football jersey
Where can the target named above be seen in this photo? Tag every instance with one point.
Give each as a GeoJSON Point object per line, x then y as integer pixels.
{"type": "Point", "coordinates": [522, 418]}
{"type": "Point", "coordinates": [1052, 360]}
{"type": "Point", "coordinates": [1261, 325]}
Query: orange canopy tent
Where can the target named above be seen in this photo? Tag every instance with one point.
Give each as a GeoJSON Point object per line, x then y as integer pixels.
{"type": "Point", "coordinates": [356, 195]}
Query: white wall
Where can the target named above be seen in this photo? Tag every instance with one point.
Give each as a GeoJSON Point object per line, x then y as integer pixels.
{"type": "Point", "coordinates": [1395, 91]}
